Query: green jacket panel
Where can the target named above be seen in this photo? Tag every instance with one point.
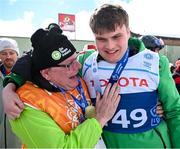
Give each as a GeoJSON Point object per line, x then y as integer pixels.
{"type": "Point", "coordinates": [82, 57]}
{"type": "Point", "coordinates": [170, 100]}
{"type": "Point", "coordinates": [36, 129]}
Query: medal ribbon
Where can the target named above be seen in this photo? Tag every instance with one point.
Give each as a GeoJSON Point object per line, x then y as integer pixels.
{"type": "Point", "coordinates": [119, 68]}
{"type": "Point", "coordinates": [82, 103]}
{"type": "Point", "coordinates": [116, 73]}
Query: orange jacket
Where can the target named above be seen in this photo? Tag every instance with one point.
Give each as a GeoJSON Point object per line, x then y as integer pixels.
{"type": "Point", "coordinates": [67, 116]}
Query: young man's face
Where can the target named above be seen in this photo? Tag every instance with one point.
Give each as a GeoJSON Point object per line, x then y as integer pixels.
{"type": "Point", "coordinates": [112, 45]}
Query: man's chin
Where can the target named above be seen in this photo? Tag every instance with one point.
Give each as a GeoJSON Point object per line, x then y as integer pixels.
{"type": "Point", "coordinates": [112, 60]}
{"type": "Point", "coordinates": [73, 85]}
{"type": "Point", "coordinates": [9, 65]}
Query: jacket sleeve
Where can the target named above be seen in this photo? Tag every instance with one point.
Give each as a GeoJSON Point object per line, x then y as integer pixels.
{"type": "Point", "coordinates": [83, 55]}
{"type": "Point", "coordinates": [14, 78]}
{"type": "Point", "coordinates": [170, 100]}
{"type": "Point", "coordinates": [36, 129]}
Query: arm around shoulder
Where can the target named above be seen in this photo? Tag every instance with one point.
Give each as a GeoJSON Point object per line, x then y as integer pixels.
{"type": "Point", "coordinates": [16, 79]}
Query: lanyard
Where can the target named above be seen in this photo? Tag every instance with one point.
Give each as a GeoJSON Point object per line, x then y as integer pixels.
{"type": "Point", "coordinates": [82, 103]}
{"type": "Point", "coordinates": [116, 73]}
{"type": "Point", "coordinates": [119, 68]}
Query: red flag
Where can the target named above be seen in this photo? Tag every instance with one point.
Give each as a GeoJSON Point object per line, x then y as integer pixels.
{"type": "Point", "coordinates": [66, 22]}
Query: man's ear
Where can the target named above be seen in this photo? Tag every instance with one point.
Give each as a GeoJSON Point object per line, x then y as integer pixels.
{"type": "Point", "coordinates": [128, 31]}
{"type": "Point", "coordinates": [45, 73]}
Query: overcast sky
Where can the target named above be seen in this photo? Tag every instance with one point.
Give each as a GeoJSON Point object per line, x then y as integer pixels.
{"type": "Point", "coordinates": [23, 17]}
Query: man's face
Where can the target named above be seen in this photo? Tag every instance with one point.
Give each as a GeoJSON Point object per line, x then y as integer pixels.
{"type": "Point", "coordinates": [8, 57]}
{"type": "Point", "coordinates": [177, 64]}
{"type": "Point", "coordinates": [157, 50]}
{"type": "Point", "coordinates": [112, 45]}
{"type": "Point", "coordinates": [65, 77]}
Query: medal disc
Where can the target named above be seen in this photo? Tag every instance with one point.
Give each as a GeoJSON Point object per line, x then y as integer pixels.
{"type": "Point", "coordinates": [90, 112]}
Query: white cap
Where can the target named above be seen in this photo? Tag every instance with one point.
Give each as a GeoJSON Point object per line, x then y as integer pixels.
{"type": "Point", "coordinates": [8, 43]}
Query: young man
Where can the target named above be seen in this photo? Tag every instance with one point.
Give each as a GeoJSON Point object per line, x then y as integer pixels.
{"type": "Point", "coordinates": [56, 105]}
{"type": "Point", "coordinates": [135, 123]}
{"type": "Point", "coordinates": [9, 52]}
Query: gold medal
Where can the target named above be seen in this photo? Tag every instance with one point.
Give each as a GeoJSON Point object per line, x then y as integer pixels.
{"type": "Point", "coordinates": [90, 112]}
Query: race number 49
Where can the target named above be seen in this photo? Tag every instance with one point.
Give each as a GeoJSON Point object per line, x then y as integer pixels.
{"type": "Point", "coordinates": [138, 115]}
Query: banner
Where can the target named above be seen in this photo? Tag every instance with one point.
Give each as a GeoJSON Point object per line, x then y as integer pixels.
{"type": "Point", "coordinates": [66, 22]}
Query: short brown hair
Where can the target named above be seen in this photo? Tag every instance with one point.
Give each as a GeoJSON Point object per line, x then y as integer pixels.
{"type": "Point", "coordinates": [107, 18]}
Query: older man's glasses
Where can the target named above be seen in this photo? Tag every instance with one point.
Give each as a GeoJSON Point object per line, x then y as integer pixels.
{"type": "Point", "coordinates": [68, 66]}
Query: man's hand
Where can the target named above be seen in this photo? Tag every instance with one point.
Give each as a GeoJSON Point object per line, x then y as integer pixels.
{"type": "Point", "coordinates": [107, 104]}
{"type": "Point", "coordinates": [13, 106]}
{"type": "Point", "coordinates": [159, 110]}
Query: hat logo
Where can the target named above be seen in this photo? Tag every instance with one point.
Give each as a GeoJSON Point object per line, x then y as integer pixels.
{"type": "Point", "coordinates": [56, 55]}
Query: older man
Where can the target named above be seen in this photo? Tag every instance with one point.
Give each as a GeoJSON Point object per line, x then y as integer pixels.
{"type": "Point", "coordinates": [58, 112]}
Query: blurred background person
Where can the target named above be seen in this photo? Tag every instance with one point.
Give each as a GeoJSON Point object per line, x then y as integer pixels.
{"type": "Point", "coordinates": [9, 52]}
{"type": "Point", "coordinates": [152, 43]}
{"type": "Point", "coordinates": [89, 47]}
{"type": "Point", "coordinates": [172, 67]}
{"type": "Point", "coordinates": [176, 75]}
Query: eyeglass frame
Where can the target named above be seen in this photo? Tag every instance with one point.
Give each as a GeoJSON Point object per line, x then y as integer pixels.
{"type": "Point", "coordinates": [67, 66]}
